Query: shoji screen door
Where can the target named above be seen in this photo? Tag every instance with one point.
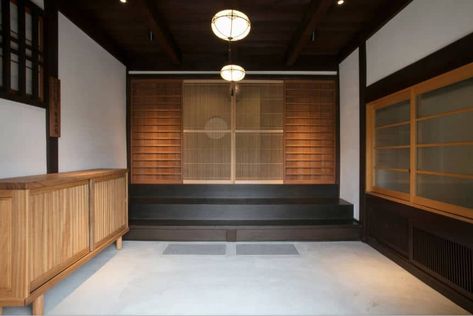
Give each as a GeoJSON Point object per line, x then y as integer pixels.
{"type": "Point", "coordinates": [233, 134]}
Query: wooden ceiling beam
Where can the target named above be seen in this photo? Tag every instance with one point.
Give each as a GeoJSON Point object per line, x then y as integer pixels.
{"type": "Point", "coordinates": [162, 35]}
{"type": "Point", "coordinates": [313, 18]}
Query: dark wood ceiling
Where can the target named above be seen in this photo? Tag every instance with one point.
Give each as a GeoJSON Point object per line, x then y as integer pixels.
{"type": "Point", "coordinates": [285, 34]}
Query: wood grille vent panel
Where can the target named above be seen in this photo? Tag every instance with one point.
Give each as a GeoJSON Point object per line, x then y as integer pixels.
{"type": "Point", "coordinates": [447, 259]}
{"type": "Point", "coordinates": [310, 132]}
{"type": "Point", "coordinates": [156, 131]}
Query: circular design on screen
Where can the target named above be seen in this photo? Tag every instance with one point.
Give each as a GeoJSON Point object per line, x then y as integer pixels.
{"type": "Point", "coordinates": [213, 124]}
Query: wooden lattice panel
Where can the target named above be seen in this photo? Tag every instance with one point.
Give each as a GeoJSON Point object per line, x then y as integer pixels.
{"type": "Point", "coordinates": [156, 131]}
{"type": "Point", "coordinates": [310, 131]}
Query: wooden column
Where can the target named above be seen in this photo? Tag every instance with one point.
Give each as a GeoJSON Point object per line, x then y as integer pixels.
{"type": "Point", "coordinates": [51, 70]}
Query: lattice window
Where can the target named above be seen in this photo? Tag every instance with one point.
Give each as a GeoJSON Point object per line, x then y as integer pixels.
{"type": "Point", "coordinates": [21, 54]}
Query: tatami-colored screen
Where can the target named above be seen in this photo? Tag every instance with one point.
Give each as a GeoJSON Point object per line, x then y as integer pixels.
{"type": "Point", "coordinates": [207, 132]}
{"type": "Point", "coordinates": [259, 132]}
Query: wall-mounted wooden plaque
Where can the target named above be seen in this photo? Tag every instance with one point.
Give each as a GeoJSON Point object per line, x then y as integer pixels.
{"type": "Point", "coordinates": [54, 107]}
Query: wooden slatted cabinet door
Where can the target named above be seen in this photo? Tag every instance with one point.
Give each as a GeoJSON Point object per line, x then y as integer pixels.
{"type": "Point", "coordinates": [310, 131]}
{"type": "Point", "coordinates": [59, 230]}
{"type": "Point", "coordinates": [13, 247]}
{"type": "Point", "coordinates": [156, 131]}
{"type": "Point", "coordinates": [110, 210]}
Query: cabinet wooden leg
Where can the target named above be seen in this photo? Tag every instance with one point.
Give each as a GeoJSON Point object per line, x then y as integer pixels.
{"type": "Point", "coordinates": [38, 305]}
{"type": "Point", "coordinates": [119, 243]}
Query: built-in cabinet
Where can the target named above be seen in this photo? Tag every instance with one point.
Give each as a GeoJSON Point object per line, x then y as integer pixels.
{"type": "Point", "coordinates": [52, 224]}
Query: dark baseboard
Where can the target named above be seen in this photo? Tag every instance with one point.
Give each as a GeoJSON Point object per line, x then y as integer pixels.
{"type": "Point", "coordinates": [245, 233]}
{"type": "Point", "coordinates": [425, 277]}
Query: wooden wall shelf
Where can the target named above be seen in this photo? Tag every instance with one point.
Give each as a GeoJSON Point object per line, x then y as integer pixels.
{"type": "Point", "coordinates": [52, 224]}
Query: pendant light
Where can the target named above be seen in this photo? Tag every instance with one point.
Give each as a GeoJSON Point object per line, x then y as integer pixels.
{"type": "Point", "coordinates": [232, 73]}
{"type": "Point", "coordinates": [231, 25]}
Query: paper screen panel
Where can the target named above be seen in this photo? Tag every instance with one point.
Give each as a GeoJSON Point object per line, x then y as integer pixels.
{"type": "Point", "coordinates": [260, 106]}
{"type": "Point", "coordinates": [310, 131]}
{"type": "Point", "coordinates": [207, 131]}
{"type": "Point", "coordinates": [156, 131]}
{"type": "Point", "coordinates": [259, 156]}
{"type": "Point", "coordinates": [207, 106]}
{"type": "Point", "coordinates": [207, 156]}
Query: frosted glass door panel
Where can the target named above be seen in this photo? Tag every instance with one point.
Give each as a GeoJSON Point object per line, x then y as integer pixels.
{"type": "Point", "coordinates": [451, 159]}
{"type": "Point", "coordinates": [454, 97]}
{"type": "Point", "coordinates": [445, 129]}
{"type": "Point", "coordinates": [393, 136]}
{"type": "Point", "coordinates": [393, 114]}
{"type": "Point", "coordinates": [446, 189]}
{"type": "Point", "coordinates": [392, 158]}
{"type": "Point", "coordinates": [392, 180]}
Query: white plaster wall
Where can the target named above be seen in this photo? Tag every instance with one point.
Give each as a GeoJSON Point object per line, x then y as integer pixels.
{"type": "Point", "coordinates": [350, 131]}
{"type": "Point", "coordinates": [422, 28]}
{"type": "Point", "coordinates": [22, 139]}
{"type": "Point", "coordinates": [93, 88]}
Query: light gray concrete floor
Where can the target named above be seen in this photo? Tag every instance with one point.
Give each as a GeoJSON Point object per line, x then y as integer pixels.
{"type": "Point", "coordinates": [328, 278]}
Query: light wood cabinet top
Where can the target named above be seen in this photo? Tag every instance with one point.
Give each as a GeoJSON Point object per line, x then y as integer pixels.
{"type": "Point", "coordinates": [57, 179]}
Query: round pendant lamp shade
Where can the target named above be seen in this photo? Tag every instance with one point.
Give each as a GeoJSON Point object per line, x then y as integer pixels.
{"type": "Point", "coordinates": [232, 73]}
{"type": "Point", "coordinates": [231, 25]}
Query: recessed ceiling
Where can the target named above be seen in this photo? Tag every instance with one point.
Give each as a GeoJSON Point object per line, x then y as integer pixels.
{"type": "Point", "coordinates": [285, 34]}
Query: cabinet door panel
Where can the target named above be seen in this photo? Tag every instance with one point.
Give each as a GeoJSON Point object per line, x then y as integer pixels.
{"type": "Point", "coordinates": [59, 231]}
{"type": "Point", "coordinates": [13, 285]}
{"type": "Point", "coordinates": [110, 208]}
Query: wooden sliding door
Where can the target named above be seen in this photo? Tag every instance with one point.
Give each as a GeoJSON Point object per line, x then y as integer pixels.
{"type": "Point", "coordinates": [310, 131]}
{"type": "Point", "coordinates": [156, 131]}
{"type": "Point", "coordinates": [209, 131]}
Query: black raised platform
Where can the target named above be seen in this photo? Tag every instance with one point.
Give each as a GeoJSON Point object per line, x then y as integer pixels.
{"type": "Point", "coordinates": [240, 212]}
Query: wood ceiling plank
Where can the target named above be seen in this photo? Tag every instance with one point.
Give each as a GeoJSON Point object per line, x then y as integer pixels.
{"type": "Point", "coordinates": [161, 33]}
{"type": "Point", "coordinates": [318, 9]}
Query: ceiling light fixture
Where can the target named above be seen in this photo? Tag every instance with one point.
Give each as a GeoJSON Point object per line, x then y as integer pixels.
{"type": "Point", "coordinates": [340, 2]}
{"type": "Point", "coordinates": [231, 25]}
{"type": "Point", "coordinates": [123, 1]}
{"type": "Point", "coordinates": [232, 73]}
